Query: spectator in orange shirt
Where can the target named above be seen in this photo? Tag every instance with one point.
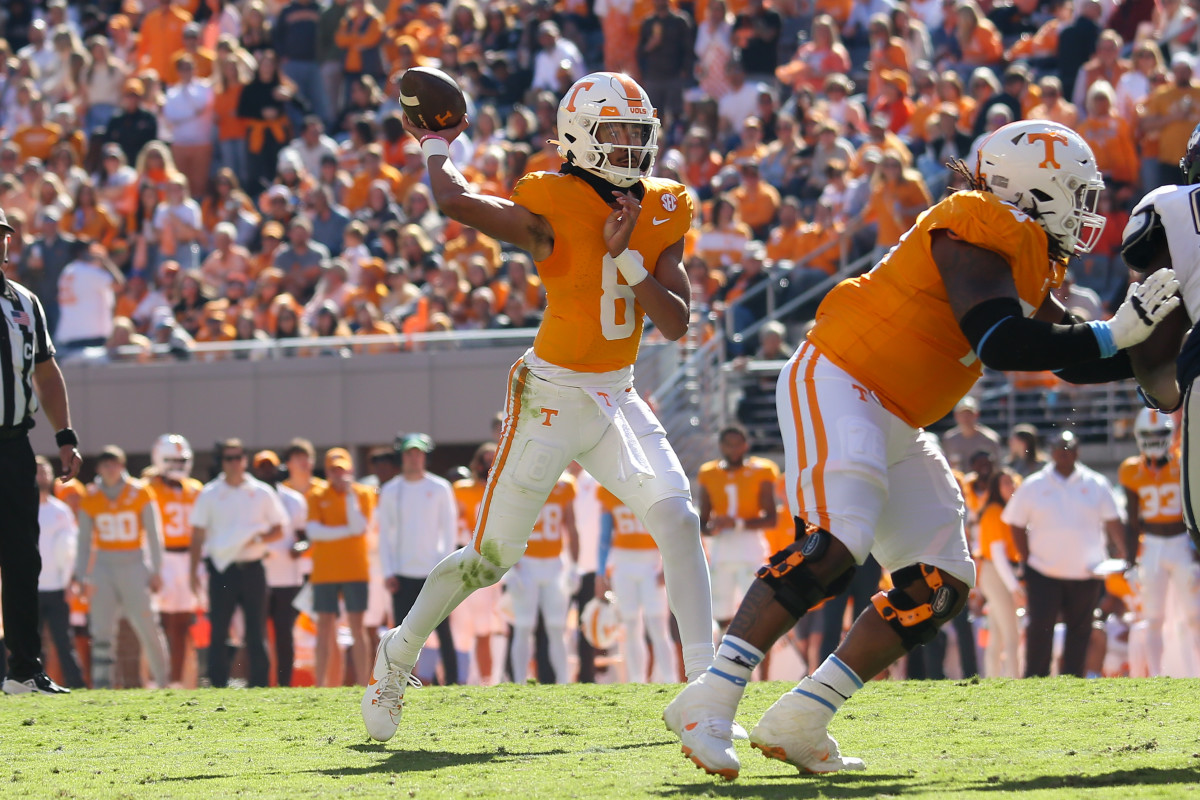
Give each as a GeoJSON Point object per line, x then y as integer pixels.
{"type": "Point", "coordinates": [898, 196]}
{"type": "Point", "coordinates": [203, 59]}
{"type": "Point", "coordinates": [471, 242]}
{"type": "Point", "coordinates": [1105, 65]}
{"type": "Point", "coordinates": [360, 34]}
{"type": "Point", "coordinates": [781, 244]}
{"type": "Point", "coordinates": [38, 138]}
{"type": "Point", "coordinates": [701, 160]}
{"type": "Point", "coordinates": [978, 40]}
{"type": "Point", "coordinates": [161, 37]}
{"type": "Point", "coordinates": [1054, 106]}
{"type": "Point", "coordinates": [751, 147]}
{"type": "Point", "coordinates": [823, 54]}
{"type": "Point", "coordinates": [89, 221]}
{"type": "Point", "coordinates": [757, 201]}
{"type": "Point", "coordinates": [373, 169]}
{"type": "Point", "coordinates": [821, 245]}
{"type": "Point", "coordinates": [888, 52]}
{"type": "Point", "coordinates": [893, 101]}
{"type": "Point", "coordinates": [1110, 137]}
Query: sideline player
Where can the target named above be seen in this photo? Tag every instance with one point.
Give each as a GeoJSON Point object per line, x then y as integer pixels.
{"type": "Point", "coordinates": [890, 352]}
{"type": "Point", "coordinates": [175, 492]}
{"type": "Point", "coordinates": [1151, 481]}
{"type": "Point", "coordinates": [119, 518]}
{"type": "Point", "coordinates": [634, 572]}
{"type": "Point", "coordinates": [737, 509]}
{"type": "Point", "coordinates": [542, 582]}
{"type": "Point", "coordinates": [571, 395]}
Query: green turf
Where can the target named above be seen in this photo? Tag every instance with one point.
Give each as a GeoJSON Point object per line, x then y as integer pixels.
{"type": "Point", "coordinates": [1060, 738]}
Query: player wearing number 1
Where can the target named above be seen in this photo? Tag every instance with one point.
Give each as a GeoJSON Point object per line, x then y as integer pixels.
{"type": "Point", "coordinates": [892, 351]}
{"type": "Point", "coordinates": [608, 242]}
{"type": "Point", "coordinates": [118, 517]}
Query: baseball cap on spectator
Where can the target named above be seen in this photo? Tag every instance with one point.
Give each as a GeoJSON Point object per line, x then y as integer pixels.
{"type": "Point", "coordinates": [191, 30]}
{"type": "Point", "coordinates": [897, 78]}
{"type": "Point", "coordinates": [948, 110]}
{"type": "Point", "coordinates": [265, 457]}
{"type": "Point", "coordinates": [1017, 71]}
{"type": "Point", "coordinates": [1182, 58]}
{"type": "Point", "coordinates": [4, 226]}
{"type": "Point", "coordinates": [52, 213]}
{"type": "Point", "coordinates": [111, 150]}
{"type": "Point", "coordinates": [272, 230]}
{"type": "Point", "coordinates": [338, 457]}
{"type": "Point", "coordinates": [968, 403]}
{"type": "Point", "coordinates": [873, 155]}
{"type": "Point", "coordinates": [411, 441]}
{"type": "Point", "coordinates": [374, 265]}
{"type": "Point", "coordinates": [135, 87]}
{"type": "Point", "coordinates": [278, 192]}
{"type": "Point", "coordinates": [879, 121]}
{"type": "Point", "coordinates": [289, 159]}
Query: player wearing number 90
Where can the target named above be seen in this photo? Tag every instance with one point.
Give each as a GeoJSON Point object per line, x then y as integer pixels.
{"type": "Point", "coordinates": [608, 242]}
{"type": "Point", "coordinates": [891, 352]}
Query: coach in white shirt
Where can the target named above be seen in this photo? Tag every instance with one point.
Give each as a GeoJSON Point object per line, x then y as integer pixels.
{"type": "Point", "coordinates": [235, 517]}
{"type": "Point", "coordinates": [418, 518]}
{"type": "Point", "coordinates": [57, 542]}
{"type": "Point", "coordinates": [87, 297]}
{"type": "Point", "coordinates": [1060, 517]}
{"type": "Point", "coordinates": [189, 108]}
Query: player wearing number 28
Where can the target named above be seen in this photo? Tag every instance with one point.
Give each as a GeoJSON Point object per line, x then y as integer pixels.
{"type": "Point", "coordinates": [608, 242]}
{"type": "Point", "coordinates": [119, 520]}
{"type": "Point", "coordinates": [892, 351]}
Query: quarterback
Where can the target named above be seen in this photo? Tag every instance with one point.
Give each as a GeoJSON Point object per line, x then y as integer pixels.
{"type": "Point", "coordinates": [608, 242]}
{"type": "Point", "coordinates": [892, 351]}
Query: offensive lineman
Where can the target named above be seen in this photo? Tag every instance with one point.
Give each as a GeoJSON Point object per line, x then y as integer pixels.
{"type": "Point", "coordinates": [893, 351]}
{"type": "Point", "coordinates": [1151, 482]}
{"type": "Point", "coordinates": [571, 396]}
{"type": "Point", "coordinates": [175, 492]}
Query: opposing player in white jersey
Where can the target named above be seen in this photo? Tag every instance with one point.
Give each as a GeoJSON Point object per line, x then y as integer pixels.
{"type": "Point", "coordinates": [608, 240]}
{"type": "Point", "coordinates": [1155, 516]}
{"type": "Point", "coordinates": [543, 582]}
{"type": "Point", "coordinates": [175, 492]}
{"type": "Point", "coordinates": [1164, 231]}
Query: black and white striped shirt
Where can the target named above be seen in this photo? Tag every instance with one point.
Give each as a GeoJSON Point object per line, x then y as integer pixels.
{"type": "Point", "coordinates": [24, 342]}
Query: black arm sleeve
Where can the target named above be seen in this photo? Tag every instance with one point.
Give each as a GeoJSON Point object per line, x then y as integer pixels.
{"type": "Point", "coordinates": [1005, 339]}
{"type": "Point", "coordinates": [1102, 370]}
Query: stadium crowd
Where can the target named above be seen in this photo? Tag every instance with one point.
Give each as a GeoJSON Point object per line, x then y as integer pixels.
{"type": "Point", "coordinates": [210, 170]}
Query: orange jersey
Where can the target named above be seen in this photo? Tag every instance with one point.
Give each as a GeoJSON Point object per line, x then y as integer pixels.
{"type": "Point", "coordinates": [893, 330]}
{"type": "Point", "coordinates": [735, 492]}
{"type": "Point", "coordinates": [592, 322]}
{"type": "Point", "coordinates": [993, 529]}
{"type": "Point", "coordinates": [340, 560]}
{"type": "Point", "coordinates": [469, 494]}
{"type": "Point", "coordinates": [546, 541]}
{"type": "Point", "coordinates": [628, 531]}
{"type": "Point", "coordinates": [72, 493]}
{"type": "Point", "coordinates": [175, 507]}
{"type": "Point", "coordinates": [1157, 488]}
{"type": "Point", "coordinates": [117, 524]}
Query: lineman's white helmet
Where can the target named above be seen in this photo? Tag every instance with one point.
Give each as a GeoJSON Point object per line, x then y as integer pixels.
{"type": "Point", "coordinates": [172, 456]}
{"type": "Point", "coordinates": [1153, 431]}
{"type": "Point", "coordinates": [598, 623]}
{"type": "Point", "coordinates": [591, 114]}
{"type": "Point", "coordinates": [1049, 172]}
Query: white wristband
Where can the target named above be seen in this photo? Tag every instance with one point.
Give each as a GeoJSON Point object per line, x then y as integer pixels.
{"type": "Point", "coordinates": [631, 268]}
{"type": "Point", "coordinates": [434, 146]}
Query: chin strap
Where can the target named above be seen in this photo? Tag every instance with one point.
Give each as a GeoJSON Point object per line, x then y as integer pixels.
{"type": "Point", "coordinates": [601, 186]}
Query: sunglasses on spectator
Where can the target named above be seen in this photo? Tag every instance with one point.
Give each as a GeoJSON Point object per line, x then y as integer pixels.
{"type": "Point", "coordinates": [233, 456]}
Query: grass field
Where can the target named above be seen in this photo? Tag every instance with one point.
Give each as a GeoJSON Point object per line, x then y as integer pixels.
{"type": "Point", "coordinates": [1059, 738]}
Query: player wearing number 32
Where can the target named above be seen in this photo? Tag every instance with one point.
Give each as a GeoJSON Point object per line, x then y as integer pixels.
{"type": "Point", "coordinates": [119, 518]}
{"type": "Point", "coordinates": [608, 242]}
{"type": "Point", "coordinates": [892, 351]}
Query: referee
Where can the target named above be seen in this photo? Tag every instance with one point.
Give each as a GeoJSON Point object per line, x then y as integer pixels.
{"type": "Point", "coordinates": [28, 373]}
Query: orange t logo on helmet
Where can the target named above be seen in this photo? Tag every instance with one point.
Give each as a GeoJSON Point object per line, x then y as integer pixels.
{"type": "Point", "coordinates": [1048, 139]}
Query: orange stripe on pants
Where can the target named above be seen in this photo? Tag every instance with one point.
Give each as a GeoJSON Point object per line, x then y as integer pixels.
{"type": "Point", "coordinates": [794, 393]}
{"type": "Point", "coordinates": [818, 472]}
{"type": "Point", "coordinates": [516, 388]}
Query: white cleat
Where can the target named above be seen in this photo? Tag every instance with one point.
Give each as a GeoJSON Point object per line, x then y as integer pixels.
{"type": "Point", "coordinates": [704, 730]}
{"type": "Point", "coordinates": [738, 732]}
{"type": "Point", "coordinates": [383, 701]}
{"type": "Point", "coordinates": [789, 732]}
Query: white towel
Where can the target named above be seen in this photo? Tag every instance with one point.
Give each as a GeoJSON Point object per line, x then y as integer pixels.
{"type": "Point", "coordinates": [633, 461]}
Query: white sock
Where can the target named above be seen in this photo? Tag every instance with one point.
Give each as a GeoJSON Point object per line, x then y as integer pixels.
{"type": "Point", "coordinates": [675, 526]}
{"type": "Point", "coordinates": [522, 650]}
{"type": "Point", "coordinates": [441, 594]}
{"type": "Point", "coordinates": [831, 685]}
{"type": "Point", "coordinates": [730, 671]}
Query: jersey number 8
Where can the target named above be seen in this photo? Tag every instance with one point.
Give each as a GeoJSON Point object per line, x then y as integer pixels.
{"type": "Point", "coordinates": [615, 291]}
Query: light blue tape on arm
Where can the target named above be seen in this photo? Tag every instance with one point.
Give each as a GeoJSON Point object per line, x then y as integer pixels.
{"type": "Point", "coordinates": [1104, 337]}
{"type": "Point", "coordinates": [983, 339]}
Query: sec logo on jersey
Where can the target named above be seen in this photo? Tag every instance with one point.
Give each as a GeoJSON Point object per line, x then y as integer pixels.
{"type": "Point", "coordinates": [669, 203]}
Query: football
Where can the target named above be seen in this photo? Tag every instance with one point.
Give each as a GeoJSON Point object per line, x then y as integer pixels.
{"type": "Point", "coordinates": [431, 98]}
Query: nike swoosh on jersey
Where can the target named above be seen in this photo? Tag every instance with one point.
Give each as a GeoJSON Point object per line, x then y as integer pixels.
{"type": "Point", "coordinates": [657, 221]}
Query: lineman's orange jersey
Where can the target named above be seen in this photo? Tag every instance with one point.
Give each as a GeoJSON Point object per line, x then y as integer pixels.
{"type": "Point", "coordinates": [339, 560]}
{"type": "Point", "coordinates": [734, 492]}
{"type": "Point", "coordinates": [628, 531]}
{"type": "Point", "coordinates": [117, 524]}
{"type": "Point", "coordinates": [1157, 488]}
{"type": "Point", "coordinates": [469, 494]}
{"type": "Point", "coordinates": [175, 507]}
{"type": "Point", "coordinates": [592, 322]}
{"type": "Point", "coordinates": [546, 541]}
{"type": "Point", "coordinates": [893, 330]}
{"type": "Point", "coordinates": [70, 492]}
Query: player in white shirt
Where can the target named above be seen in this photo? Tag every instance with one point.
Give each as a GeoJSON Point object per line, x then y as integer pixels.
{"type": "Point", "coordinates": [1164, 231]}
{"type": "Point", "coordinates": [57, 544]}
{"type": "Point", "coordinates": [87, 296]}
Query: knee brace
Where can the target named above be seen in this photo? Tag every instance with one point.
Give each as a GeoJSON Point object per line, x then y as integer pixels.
{"type": "Point", "coordinates": [914, 622]}
{"type": "Point", "coordinates": [796, 588]}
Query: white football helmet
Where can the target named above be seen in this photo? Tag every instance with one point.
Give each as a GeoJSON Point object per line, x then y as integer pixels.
{"type": "Point", "coordinates": [171, 456]}
{"type": "Point", "coordinates": [1049, 172]}
{"type": "Point", "coordinates": [607, 114]}
{"type": "Point", "coordinates": [598, 622]}
{"type": "Point", "coordinates": [1153, 431]}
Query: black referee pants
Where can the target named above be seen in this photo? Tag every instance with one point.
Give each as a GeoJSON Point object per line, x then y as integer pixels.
{"type": "Point", "coordinates": [20, 561]}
